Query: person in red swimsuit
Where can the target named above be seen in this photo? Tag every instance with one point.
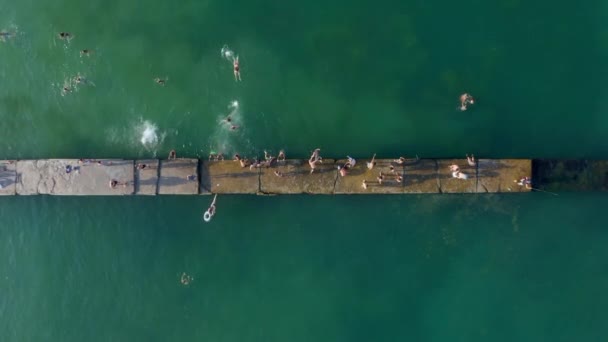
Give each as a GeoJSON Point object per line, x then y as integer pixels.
{"type": "Point", "coordinates": [237, 69]}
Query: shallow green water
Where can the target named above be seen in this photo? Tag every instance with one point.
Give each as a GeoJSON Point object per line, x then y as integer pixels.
{"type": "Point", "coordinates": [351, 78]}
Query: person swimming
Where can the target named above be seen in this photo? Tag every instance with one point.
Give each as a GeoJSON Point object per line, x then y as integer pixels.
{"type": "Point", "coordinates": [85, 52]}
{"type": "Point", "coordinates": [236, 68]}
{"type": "Point", "coordinates": [465, 100]}
{"type": "Point", "coordinates": [161, 81]}
{"type": "Point", "coordinates": [65, 36]}
{"type": "Point", "coordinates": [4, 35]}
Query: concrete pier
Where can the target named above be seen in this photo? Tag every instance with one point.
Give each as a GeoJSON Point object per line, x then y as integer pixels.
{"type": "Point", "coordinates": [193, 176]}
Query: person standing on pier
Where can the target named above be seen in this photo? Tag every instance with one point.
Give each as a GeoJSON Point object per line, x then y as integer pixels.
{"type": "Point", "coordinates": [471, 160]}
{"type": "Point", "coordinates": [314, 160]}
{"type": "Point", "coordinates": [372, 163]}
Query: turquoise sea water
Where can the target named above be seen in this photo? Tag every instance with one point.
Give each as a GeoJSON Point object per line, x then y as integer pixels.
{"type": "Point", "coordinates": [351, 78]}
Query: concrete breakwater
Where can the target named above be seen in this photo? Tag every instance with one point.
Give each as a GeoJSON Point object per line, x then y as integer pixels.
{"type": "Point", "coordinates": [111, 177]}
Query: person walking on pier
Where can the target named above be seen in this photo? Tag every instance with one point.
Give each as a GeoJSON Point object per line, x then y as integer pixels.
{"type": "Point", "coordinates": [471, 160]}
{"type": "Point", "coordinates": [372, 163]}
{"type": "Point", "coordinates": [314, 160]}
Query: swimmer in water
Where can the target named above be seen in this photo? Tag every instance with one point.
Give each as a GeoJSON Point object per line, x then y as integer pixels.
{"type": "Point", "coordinates": [227, 120]}
{"type": "Point", "coordinates": [465, 100]}
{"type": "Point", "coordinates": [161, 81]}
{"type": "Point", "coordinates": [234, 127]}
{"type": "Point", "coordinates": [85, 52]}
{"type": "Point", "coordinates": [186, 279]}
{"type": "Point", "coordinates": [65, 36]}
{"type": "Point", "coordinates": [66, 90]}
{"type": "Point", "coordinates": [4, 35]}
{"type": "Point", "coordinates": [237, 69]}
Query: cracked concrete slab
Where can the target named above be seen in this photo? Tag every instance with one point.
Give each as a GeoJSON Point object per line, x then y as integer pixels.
{"type": "Point", "coordinates": [178, 177]}
{"type": "Point", "coordinates": [450, 185]}
{"type": "Point", "coordinates": [74, 177]}
{"type": "Point", "coordinates": [497, 175]}
{"type": "Point", "coordinates": [297, 178]}
{"type": "Point", "coordinates": [146, 177]}
{"type": "Point", "coordinates": [352, 182]}
{"type": "Point", "coordinates": [421, 177]}
{"type": "Point", "coordinates": [8, 177]}
{"type": "Point", "coordinates": [228, 177]}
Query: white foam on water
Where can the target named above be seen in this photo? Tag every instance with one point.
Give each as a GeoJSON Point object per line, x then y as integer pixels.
{"type": "Point", "coordinates": [227, 53]}
{"type": "Point", "coordinates": [149, 135]}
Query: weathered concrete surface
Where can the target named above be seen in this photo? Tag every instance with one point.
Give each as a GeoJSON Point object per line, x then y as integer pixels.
{"type": "Point", "coordinates": [228, 177]}
{"type": "Point", "coordinates": [497, 175]}
{"type": "Point", "coordinates": [87, 178]}
{"type": "Point", "coordinates": [174, 177]}
{"type": "Point", "coordinates": [352, 182]}
{"type": "Point", "coordinates": [421, 177]}
{"type": "Point", "coordinates": [450, 185]}
{"type": "Point", "coordinates": [297, 178]}
{"type": "Point", "coordinates": [8, 177]}
{"type": "Point", "coordinates": [570, 175]}
{"type": "Point", "coordinates": [146, 179]}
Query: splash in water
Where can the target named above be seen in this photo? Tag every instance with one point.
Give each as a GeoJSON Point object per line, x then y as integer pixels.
{"type": "Point", "coordinates": [227, 53]}
{"type": "Point", "coordinates": [149, 136]}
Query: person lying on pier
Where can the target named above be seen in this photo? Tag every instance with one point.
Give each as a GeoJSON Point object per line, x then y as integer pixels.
{"type": "Point", "coordinates": [281, 156]}
{"type": "Point", "coordinates": [114, 183]}
{"type": "Point", "coordinates": [372, 163]}
{"type": "Point", "coordinates": [172, 155]}
{"type": "Point", "coordinates": [471, 160]}
{"type": "Point", "coordinates": [465, 100]}
{"type": "Point", "coordinates": [141, 166]}
{"type": "Point", "coordinates": [460, 175]}
{"type": "Point", "coordinates": [314, 160]}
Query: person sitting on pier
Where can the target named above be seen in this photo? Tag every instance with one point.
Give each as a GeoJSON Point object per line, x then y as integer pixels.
{"type": "Point", "coordinates": [525, 181]}
{"type": "Point", "coordinates": [237, 157]}
{"type": "Point", "coordinates": [267, 155]}
{"type": "Point", "coordinates": [364, 184]}
{"type": "Point", "coordinates": [351, 162]}
{"type": "Point", "coordinates": [278, 173]}
{"type": "Point", "coordinates": [465, 100]}
{"type": "Point", "coordinates": [343, 170]}
{"type": "Point", "coordinates": [141, 166]}
{"type": "Point", "coordinates": [399, 161]}
{"type": "Point", "coordinates": [399, 178]}
{"type": "Point", "coordinates": [372, 163]}
{"type": "Point", "coordinates": [471, 160]}
{"type": "Point", "coordinates": [391, 169]}
{"type": "Point", "coordinates": [172, 155]}
{"type": "Point", "coordinates": [114, 183]}
{"type": "Point", "coordinates": [244, 162]}
{"type": "Point", "coordinates": [281, 156]}
{"type": "Point", "coordinates": [380, 178]}
{"type": "Point", "coordinates": [454, 168]}
{"type": "Point", "coordinates": [314, 159]}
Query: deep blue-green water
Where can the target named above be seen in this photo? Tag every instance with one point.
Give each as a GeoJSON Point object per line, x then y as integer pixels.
{"type": "Point", "coordinates": [351, 78]}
